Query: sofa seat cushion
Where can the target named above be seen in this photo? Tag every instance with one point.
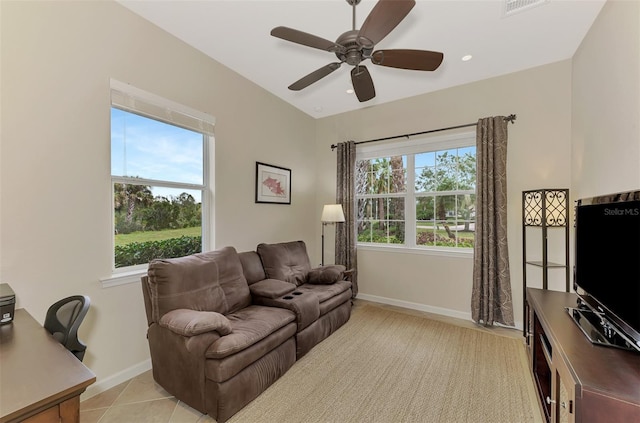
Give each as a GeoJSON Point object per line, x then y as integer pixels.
{"type": "Point", "coordinates": [335, 302]}
{"type": "Point", "coordinates": [326, 292]}
{"type": "Point", "coordinates": [249, 326]}
{"type": "Point", "coordinates": [286, 261]}
{"type": "Point", "coordinates": [271, 288]}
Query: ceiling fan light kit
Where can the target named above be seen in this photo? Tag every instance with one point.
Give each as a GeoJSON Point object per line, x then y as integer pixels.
{"type": "Point", "coordinates": [355, 46]}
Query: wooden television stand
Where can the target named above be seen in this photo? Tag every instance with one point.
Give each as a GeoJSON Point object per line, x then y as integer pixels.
{"type": "Point", "coordinates": [576, 380]}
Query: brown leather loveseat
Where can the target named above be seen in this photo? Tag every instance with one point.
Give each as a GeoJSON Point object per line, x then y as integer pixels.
{"type": "Point", "coordinates": [224, 326]}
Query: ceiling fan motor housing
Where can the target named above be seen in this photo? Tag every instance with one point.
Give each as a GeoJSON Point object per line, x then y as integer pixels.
{"type": "Point", "coordinates": [355, 52]}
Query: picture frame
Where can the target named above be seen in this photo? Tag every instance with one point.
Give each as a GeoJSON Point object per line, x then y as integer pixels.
{"type": "Point", "coordinates": [273, 184]}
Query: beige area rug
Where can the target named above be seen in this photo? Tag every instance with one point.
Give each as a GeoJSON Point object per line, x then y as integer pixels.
{"type": "Point", "coordinates": [390, 366]}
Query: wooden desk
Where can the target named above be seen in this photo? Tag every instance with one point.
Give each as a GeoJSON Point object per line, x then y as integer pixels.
{"type": "Point", "coordinates": [40, 381]}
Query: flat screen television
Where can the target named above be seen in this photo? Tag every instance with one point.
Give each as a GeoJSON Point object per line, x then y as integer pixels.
{"type": "Point", "coordinates": [607, 267]}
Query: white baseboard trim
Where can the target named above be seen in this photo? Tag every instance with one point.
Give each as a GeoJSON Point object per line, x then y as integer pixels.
{"type": "Point", "coordinates": [116, 379]}
{"type": "Point", "coordinates": [423, 307]}
{"type": "Point", "coordinates": [415, 306]}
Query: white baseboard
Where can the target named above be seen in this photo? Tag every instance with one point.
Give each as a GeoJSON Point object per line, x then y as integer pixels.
{"type": "Point", "coordinates": [423, 307]}
{"type": "Point", "coordinates": [107, 383]}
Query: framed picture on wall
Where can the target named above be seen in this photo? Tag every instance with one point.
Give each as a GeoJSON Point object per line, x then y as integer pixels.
{"type": "Point", "coordinates": [273, 184]}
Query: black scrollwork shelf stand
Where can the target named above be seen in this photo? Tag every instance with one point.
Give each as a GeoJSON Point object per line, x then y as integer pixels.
{"type": "Point", "coordinates": [544, 209]}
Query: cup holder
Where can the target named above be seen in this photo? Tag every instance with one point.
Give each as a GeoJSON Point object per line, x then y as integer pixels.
{"type": "Point", "coordinates": [297, 293]}
{"type": "Point", "coordinates": [287, 297]}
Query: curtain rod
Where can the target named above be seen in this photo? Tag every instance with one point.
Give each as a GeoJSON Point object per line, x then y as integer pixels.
{"type": "Point", "coordinates": [510, 118]}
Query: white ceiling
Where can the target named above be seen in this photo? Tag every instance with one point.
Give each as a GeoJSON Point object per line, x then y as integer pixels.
{"type": "Point", "coordinates": [236, 34]}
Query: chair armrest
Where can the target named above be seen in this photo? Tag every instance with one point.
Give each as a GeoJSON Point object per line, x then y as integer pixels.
{"type": "Point", "coordinates": [187, 322]}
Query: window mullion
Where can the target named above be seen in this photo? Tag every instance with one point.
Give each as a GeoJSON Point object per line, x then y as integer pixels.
{"type": "Point", "coordinates": [410, 204]}
{"type": "Point", "coordinates": [389, 195]}
{"type": "Point", "coordinates": [154, 182]}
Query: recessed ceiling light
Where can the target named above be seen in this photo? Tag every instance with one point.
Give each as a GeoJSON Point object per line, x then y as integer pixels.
{"type": "Point", "coordinates": [467, 57]}
{"type": "Point", "coordinates": [350, 91]}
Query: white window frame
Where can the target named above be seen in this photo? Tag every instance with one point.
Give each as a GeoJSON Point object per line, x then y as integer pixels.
{"type": "Point", "coordinates": [134, 100]}
{"type": "Point", "coordinates": [410, 148]}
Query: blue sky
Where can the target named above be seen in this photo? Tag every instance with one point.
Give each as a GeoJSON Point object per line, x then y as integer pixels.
{"type": "Point", "coordinates": [151, 149]}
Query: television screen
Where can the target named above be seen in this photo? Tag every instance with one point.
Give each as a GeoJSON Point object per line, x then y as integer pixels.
{"type": "Point", "coordinates": [607, 259]}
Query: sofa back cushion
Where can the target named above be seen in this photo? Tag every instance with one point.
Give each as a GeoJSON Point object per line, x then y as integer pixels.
{"type": "Point", "coordinates": [211, 281]}
{"type": "Point", "coordinates": [286, 261]}
{"type": "Point", "coordinates": [232, 280]}
{"type": "Point", "coordinates": [252, 267]}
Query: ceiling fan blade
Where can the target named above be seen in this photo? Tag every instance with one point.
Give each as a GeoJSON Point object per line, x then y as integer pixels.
{"type": "Point", "coordinates": [306, 39]}
{"type": "Point", "coordinates": [314, 76]}
{"type": "Point", "coordinates": [423, 60]}
{"type": "Point", "coordinates": [362, 83]}
{"type": "Point", "coordinates": [385, 16]}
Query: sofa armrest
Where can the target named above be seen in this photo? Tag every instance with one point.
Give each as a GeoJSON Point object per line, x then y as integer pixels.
{"type": "Point", "coordinates": [348, 274]}
{"type": "Point", "coordinates": [271, 288]}
{"type": "Point", "coordinates": [187, 322]}
{"type": "Point", "coordinates": [178, 362]}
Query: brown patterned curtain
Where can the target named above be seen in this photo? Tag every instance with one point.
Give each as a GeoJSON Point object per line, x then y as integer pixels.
{"type": "Point", "coordinates": [491, 297]}
{"type": "Point", "coordinates": [345, 194]}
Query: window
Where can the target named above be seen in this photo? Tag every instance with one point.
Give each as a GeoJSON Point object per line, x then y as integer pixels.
{"type": "Point", "coordinates": [160, 178]}
{"type": "Point", "coordinates": [381, 189]}
{"type": "Point", "coordinates": [418, 194]}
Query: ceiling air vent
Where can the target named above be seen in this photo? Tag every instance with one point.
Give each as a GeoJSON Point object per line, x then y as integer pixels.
{"type": "Point", "coordinates": [514, 6]}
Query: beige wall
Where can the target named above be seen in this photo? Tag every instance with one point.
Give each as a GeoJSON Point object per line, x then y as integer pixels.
{"type": "Point", "coordinates": [606, 103]}
{"type": "Point", "coordinates": [57, 58]}
{"type": "Point", "coordinates": [539, 154]}
{"type": "Point", "coordinates": [55, 238]}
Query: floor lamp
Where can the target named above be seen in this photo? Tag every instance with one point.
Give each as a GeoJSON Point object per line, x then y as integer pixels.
{"type": "Point", "coordinates": [331, 213]}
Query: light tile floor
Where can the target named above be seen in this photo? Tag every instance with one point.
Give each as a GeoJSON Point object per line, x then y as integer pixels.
{"type": "Point", "coordinates": [141, 400]}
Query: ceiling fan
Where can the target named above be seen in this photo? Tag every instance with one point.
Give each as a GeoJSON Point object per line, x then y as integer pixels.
{"type": "Point", "coordinates": [355, 46]}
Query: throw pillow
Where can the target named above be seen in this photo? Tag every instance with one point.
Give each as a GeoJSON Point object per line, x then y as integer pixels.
{"type": "Point", "coordinates": [326, 275]}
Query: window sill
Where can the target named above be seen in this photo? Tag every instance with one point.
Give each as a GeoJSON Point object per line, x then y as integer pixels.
{"type": "Point", "coordinates": [443, 252]}
{"type": "Point", "coordinates": [123, 278]}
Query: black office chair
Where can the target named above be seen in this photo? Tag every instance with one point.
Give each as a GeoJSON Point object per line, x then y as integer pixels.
{"type": "Point", "coordinates": [63, 320]}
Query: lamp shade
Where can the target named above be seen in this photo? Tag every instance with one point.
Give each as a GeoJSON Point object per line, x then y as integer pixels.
{"type": "Point", "coordinates": [332, 213]}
